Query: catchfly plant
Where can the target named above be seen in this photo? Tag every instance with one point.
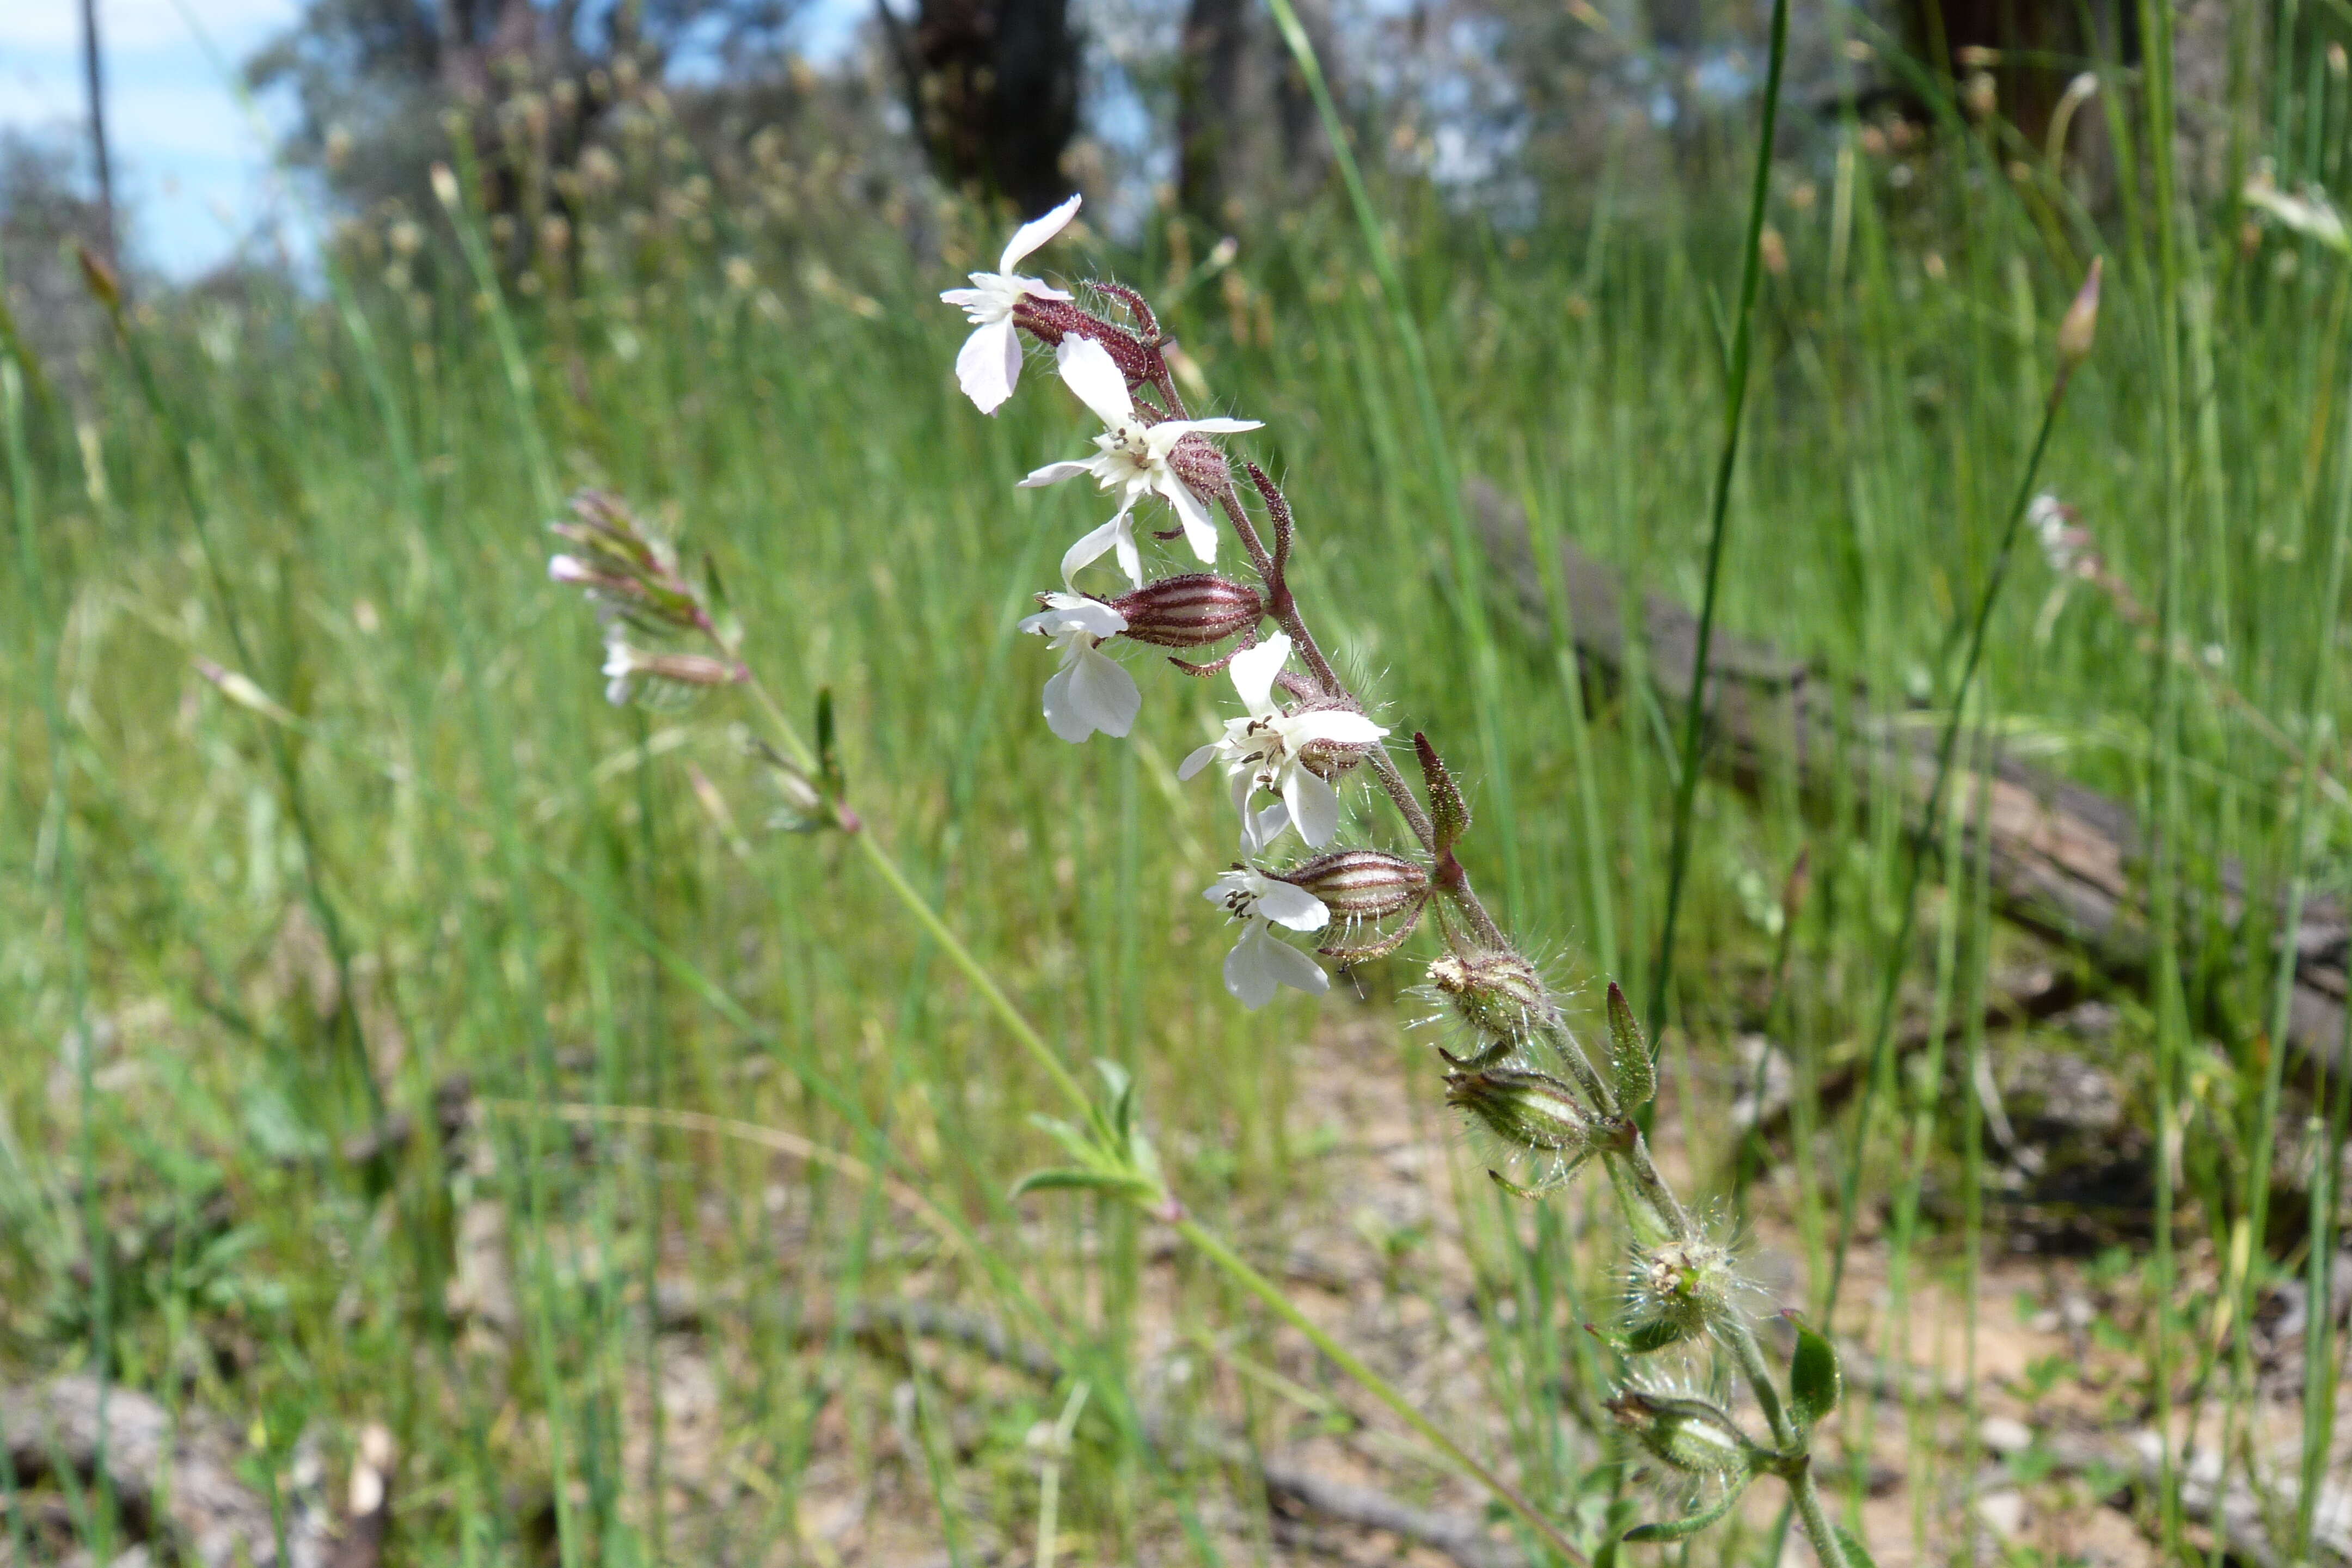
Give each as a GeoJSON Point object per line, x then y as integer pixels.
{"type": "Point", "coordinates": [1361, 882]}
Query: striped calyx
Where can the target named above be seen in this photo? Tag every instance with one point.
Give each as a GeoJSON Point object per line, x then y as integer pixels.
{"type": "Point", "coordinates": [1688, 1434]}
{"type": "Point", "coordinates": [1190, 611]}
{"type": "Point", "coordinates": [1359, 884]}
{"type": "Point", "coordinates": [1526, 1109]}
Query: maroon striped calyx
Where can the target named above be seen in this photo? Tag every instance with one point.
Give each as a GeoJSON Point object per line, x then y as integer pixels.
{"type": "Point", "coordinates": [1190, 611]}
{"type": "Point", "coordinates": [1359, 884]}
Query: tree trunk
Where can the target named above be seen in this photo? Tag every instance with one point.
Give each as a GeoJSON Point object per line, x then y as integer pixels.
{"type": "Point", "coordinates": [1249, 138]}
{"type": "Point", "coordinates": [994, 86]}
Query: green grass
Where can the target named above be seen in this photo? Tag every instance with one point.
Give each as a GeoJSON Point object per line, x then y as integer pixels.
{"type": "Point", "coordinates": [534, 893]}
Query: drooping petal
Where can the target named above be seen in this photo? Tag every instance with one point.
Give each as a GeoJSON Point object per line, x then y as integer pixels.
{"type": "Point", "coordinates": [1054, 473]}
{"type": "Point", "coordinates": [1064, 714]}
{"type": "Point", "coordinates": [1201, 758]}
{"type": "Point", "coordinates": [1131, 556]}
{"type": "Point", "coordinates": [1254, 669]}
{"type": "Point", "coordinates": [1097, 544]}
{"type": "Point", "coordinates": [1287, 906]}
{"type": "Point", "coordinates": [989, 364]}
{"type": "Point", "coordinates": [1314, 806]}
{"type": "Point", "coordinates": [1088, 369]}
{"type": "Point", "coordinates": [1335, 726]}
{"type": "Point", "coordinates": [1200, 528]}
{"type": "Point", "coordinates": [1037, 232]}
{"type": "Point", "coordinates": [1249, 976]}
{"type": "Point", "coordinates": [1103, 692]}
{"type": "Point", "coordinates": [1260, 962]}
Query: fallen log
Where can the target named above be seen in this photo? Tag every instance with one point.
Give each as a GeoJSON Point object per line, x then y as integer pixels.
{"type": "Point", "coordinates": [2066, 861]}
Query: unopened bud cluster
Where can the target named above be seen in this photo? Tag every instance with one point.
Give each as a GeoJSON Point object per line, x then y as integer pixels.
{"type": "Point", "coordinates": [1690, 1434]}
{"type": "Point", "coordinates": [631, 575]}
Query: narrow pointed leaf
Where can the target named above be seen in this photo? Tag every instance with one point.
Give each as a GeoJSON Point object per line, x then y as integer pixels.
{"type": "Point", "coordinates": [1630, 1062]}
{"type": "Point", "coordinates": [1071, 1179]}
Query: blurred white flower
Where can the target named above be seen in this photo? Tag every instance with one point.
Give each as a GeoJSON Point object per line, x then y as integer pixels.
{"type": "Point", "coordinates": [1260, 960]}
{"type": "Point", "coordinates": [1090, 691]}
{"type": "Point", "coordinates": [1131, 460]}
{"type": "Point", "coordinates": [1264, 752]}
{"type": "Point", "coordinates": [989, 366]}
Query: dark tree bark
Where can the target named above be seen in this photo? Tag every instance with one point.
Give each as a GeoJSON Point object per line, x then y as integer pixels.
{"type": "Point", "coordinates": [993, 89]}
{"type": "Point", "coordinates": [1249, 138]}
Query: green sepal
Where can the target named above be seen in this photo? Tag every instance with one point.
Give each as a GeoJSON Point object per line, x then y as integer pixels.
{"type": "Point", "coordinates": [1856, 1554]}
{"type": "Point", "coordinates": [1814, 1380]}
{"type": "Point", "coordinates": [1683, 1529]}
{"type": "Point", "coordinates": [1630, 1062]}
{"type": "Point", "coordinates": [1655, 1334]}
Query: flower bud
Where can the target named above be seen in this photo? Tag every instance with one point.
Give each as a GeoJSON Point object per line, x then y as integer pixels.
{"type": "Point", "coordinates": [1500, 995]}
{"type": "Point", "coordinates": [2081, 324]}
{"type": "Point", "coordinates": [1526, 1109]}
{"type": "Point", "coordinates": [1359, 884]}
{"type": "Point", "coordinates": [1685, 1283]}
{"type": "Point", "coordinates": [1688, 1434]}
{"type": "Point", "coordinates": [1190, 611]}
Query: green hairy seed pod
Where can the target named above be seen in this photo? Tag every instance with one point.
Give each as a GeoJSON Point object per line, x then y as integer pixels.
{"type": "Point", "coordinates": [1688, 1434]}
{"type": "Point", "coordinates": [1526, 1109]}
{"type": "Point", "coordinates": [1498, 994]}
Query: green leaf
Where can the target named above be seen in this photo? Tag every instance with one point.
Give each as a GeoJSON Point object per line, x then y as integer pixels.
{"type": "Point", "coordinates": [1605, 1554]}
{"type": "Point", "coordinates": [1814, 1382]}
{"type": "Point", "coordinates": [1683, 1529]}
{"type": "Point", "coordinates": [1856, 1554]}
{"type": "Point", "coordinates": [1630, 1062]}
{"type": "Point", "coordinates": [1070, 1179]}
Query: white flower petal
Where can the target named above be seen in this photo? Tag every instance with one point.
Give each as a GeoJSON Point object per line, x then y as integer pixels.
{"type": "Point", "coordinates": [1103, 692]}
{"type": "Point", "coordinates": [1074, 613]}
{"type": "Point", "coordinates": [962, 298]}
{"type": "Point", "coordinates": [1064, 714]}
{"type": "Point", "coordinates": [1249, 975]}
{"type": "Point", "coordinates": [989, 364]}
{"type": "Point", "coordinates": [1037, 232]}
{"type": "Point", "coordinates": [1287, 906]}
{"type": "Point", "coordinates": [1314, 806]}
{"type": "Point", "coordinates": [1093, 545]}
{"type": "Point", "coordinates": [1259, 830]}
{"type": "Point", "coordinates": [1200, 529]}
{"type": "Point", "coordinates": [1214, 426]}
{"type": "Point", "coordinates": [1088, 369]}
{"type": "Point", "coordinates": [1260, 962]}
{"type": "Point", "coordinates": [1227, 884]}
{"type": "Point", "coordinates": [1054, 473]}
{"type": "Point", "coordinates": [1201, 758]}
{"type": "Point", "coordinates": [1292, 968]}
{"type": "Point", "coordinates": [1333, 725]}
{"type": "Point", "coordinates": [1131, 556]}
{"type": "Point", "coordinates": [1254, 669]}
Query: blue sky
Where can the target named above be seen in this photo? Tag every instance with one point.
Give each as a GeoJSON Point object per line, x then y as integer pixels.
{"type": "Point", "coordinates": [194, 176]}
{"type": "Point", "coordinates": [192, 173]}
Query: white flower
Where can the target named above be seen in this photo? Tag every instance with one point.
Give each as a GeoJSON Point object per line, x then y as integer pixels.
{"type": "Point", "coordinates": [1131, 460]}
{"type": "Point", "coordinates": [622, 665]}
{"type": "Point", "coordinates": [1260, 960]}
{"type": "Point", "coordinates": [990, 362]}
{"type": "Point", "coordinates": [1261, 751]}
{"type": "Point", "coordinates": [1090, 691]}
